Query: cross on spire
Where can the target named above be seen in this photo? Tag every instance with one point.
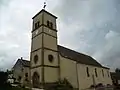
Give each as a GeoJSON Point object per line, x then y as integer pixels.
{"type": "Point", "coordinates": [44, 5]}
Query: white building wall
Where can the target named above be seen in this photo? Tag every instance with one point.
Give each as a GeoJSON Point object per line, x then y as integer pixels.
{"type": "Point", "coordinates": [68, 71]}
{"type": "Point", "coordinates": [86, 82]}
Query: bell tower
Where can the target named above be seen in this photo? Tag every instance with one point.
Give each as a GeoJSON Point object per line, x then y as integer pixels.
{"type": "Point", "coordinates": [44, 52]}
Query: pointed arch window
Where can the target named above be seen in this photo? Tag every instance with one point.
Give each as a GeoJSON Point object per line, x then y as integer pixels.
{"type": "Point", "coordinates": [48, 23]}
{"type": "Point", "coordinates": [87, 70]}
{"type": "Point", "coordinates": [102, 72]}
{"type": "Point", "coordinates": [108, 73]}
{"type": "Point", "coordinates": [35, 79]}
{"type": "Point", "coordinates": [96, 72]}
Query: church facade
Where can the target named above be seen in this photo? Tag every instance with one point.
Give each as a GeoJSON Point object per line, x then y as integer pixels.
{"type": "Point", "coordinates": [51, 63]}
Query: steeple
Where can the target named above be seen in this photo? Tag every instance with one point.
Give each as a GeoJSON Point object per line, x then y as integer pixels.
{"type": "Point", "coordinates": [44, 51]}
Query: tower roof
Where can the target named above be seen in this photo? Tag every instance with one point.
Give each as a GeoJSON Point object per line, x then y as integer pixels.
{"type": "Point", "coordinates": [43, 10]}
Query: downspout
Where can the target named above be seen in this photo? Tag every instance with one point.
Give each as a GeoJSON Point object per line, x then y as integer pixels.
{"type": "Point", "coordinates": [30, 75]}
{"type": "Point", "coordinates": [93, 81]}
{"type": "Point", "coordinates": [77, 76]}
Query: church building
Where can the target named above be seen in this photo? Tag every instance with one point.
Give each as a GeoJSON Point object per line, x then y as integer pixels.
{"type": "Point", "coordinates": [50, 63]}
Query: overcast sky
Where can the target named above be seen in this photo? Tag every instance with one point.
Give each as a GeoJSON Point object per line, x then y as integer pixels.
{"type": "Point", "coordinates": [88, 26]}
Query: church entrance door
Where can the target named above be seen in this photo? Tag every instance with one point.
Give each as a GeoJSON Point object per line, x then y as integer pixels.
{"type": "Point", "coordinates": [35, 79]}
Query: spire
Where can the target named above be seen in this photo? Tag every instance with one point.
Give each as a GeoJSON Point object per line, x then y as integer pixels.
{"type": "Point", "coordinates": [44, 5]}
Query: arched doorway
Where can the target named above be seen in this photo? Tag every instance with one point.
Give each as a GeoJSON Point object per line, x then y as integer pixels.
{"type": "Point", "coordinates": [35, 80]}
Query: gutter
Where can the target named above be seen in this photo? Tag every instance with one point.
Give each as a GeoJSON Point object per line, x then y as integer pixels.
{"type": "Point", "coordinates": [77, 76]}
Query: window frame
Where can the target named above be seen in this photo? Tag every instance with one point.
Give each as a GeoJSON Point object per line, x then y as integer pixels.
{"type": "Point", "coordinates": [36, 58]}
{"type": "Point", "coordinates": [108, 73]}
{"type": "Point", "coordinates": [87, 71]}
{"type": "Point", "coordinates": [48, 23]}
{"type": "Point", "coordinates": [102, 73]}
{"type": "Point", "coordinates": [37, 25]}
{"type": "Point", "coordinates": [96, 74]}
{"type": "Point", "coordinates": [51, 25]}
{"type": "Point", "coordinates": [50, 58]}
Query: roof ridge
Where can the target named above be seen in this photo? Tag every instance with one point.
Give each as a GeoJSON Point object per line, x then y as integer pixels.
{"type": "Point", "coordinates": [74, 51]}
{"type": "Point", "coordinates": [77, 56]}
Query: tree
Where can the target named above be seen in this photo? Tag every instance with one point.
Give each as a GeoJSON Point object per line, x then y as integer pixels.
{"type": "Point", "coordinates": [3, 79]}
{"type": "Point", "coordinates": [117, 70]}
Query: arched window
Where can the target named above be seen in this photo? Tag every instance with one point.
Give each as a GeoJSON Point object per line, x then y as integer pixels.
{"type": "Point", "coordinates": [108, 73]}
{"type": "Point", "coordinates": [26, 74]}
{"type": "Point", "coordinates": [87, 70]}
{"type": "Point", "coordinates": [48, 23]}
{"type": "Point", "coordinates": [51, 25]}
{"type": "Point", "coordinates": [35, 59]}
{"type": "Point", "coordinates": [102, 72]}
{"type": "Point", "coordinates": [96, 72]}
{"type": "Point", "coordinates": [19, 78]}
{"type": "Point", "coordinates": [37, 24]}
{"type": "Point", "coordinates": [35, 79]}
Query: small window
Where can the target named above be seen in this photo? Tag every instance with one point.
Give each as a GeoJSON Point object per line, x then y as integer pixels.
{"type": "Point", "coordinates": [48, 23]}
{"type": "Point", "coordinates": [26, 74]}
{"type": "Point", "coordinates": [108, 73]}
{"type": "Point", "coordinates": [37, 24]}
{"type": "Point", "coordinates": [50, 58]}
{"type": "Point", "coordinates": [102, 72]}
{"type": "Point", "coordinates": [19, 78]}
{"type": "Point", "coordinates": [51, 25]}
{"type": "Point", "coordinates": [26, 79]}
{"type": "Point", "coordinates": [35, 59]}
{"type": "Point", "coordinates": [96, 72]}
{"type": "Point", "coordinates": [87, 70]}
